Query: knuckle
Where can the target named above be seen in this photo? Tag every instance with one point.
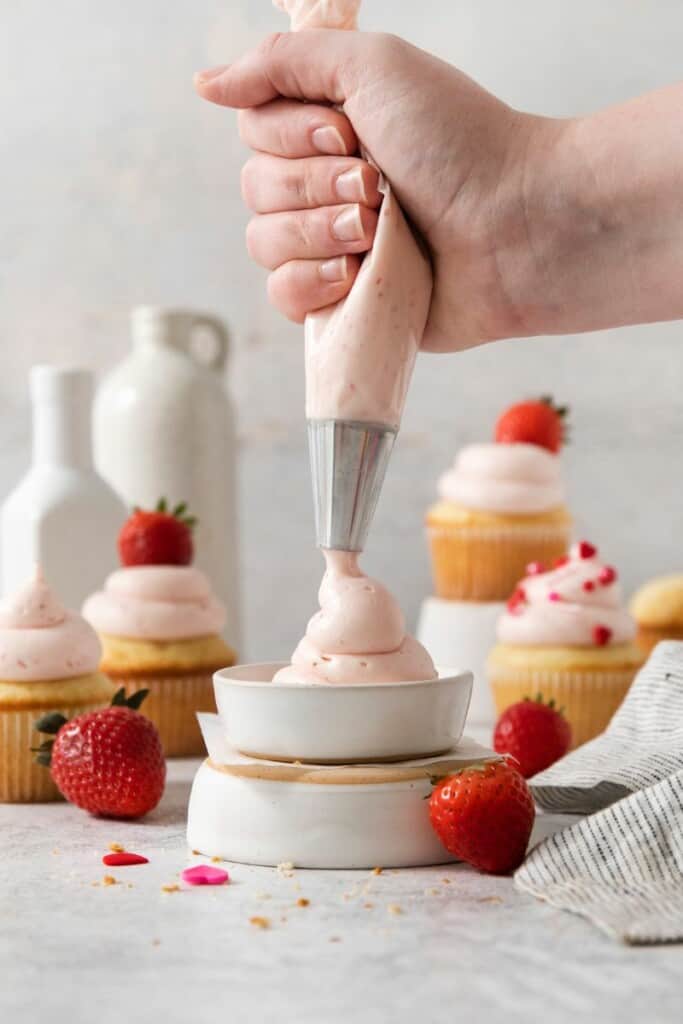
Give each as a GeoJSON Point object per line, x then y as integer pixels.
{"type": "Point", "coordinates": [272, 42]}
{"type": "Point", "coordinates": [251, 236]}
{"type": "Point", "coordinates": [248, 185]}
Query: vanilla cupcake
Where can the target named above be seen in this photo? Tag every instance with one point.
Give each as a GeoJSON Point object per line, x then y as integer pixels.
{"type": "Point", "coordinates": [501, 507]}
{"type": "Point", "coordinates": [49, 661]}
{"type": "Point", "coordinates": [160, 628]}
{"type": "Point", "coordinates": [567, 636]}
{"type": "Point", "coordinates": [658, 610]}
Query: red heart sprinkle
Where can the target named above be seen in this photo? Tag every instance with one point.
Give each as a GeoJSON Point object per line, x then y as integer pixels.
{"type": "Point", "coordinates": [607, 575]}
{"type": "Point", "coordinates": [588, 585]}
{"type": "Point", "coordinates": [586, 550]}
{"type": "Point", "coordinates": [205, 874]}
{"type": "Point", "coordinates": [554, 596]}
{"type": "Point", "coordinates": [119, 860]}
{"type": "Point", "coordinates": [562, 560]}
{"type": "Point", "coordinates": [602, 635]}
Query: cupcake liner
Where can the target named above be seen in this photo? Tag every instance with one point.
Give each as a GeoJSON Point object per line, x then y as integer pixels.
{"type": "Point", "coordinates": [481, 563]}
{"type": "Point", "coordinates": [21, 779]}
{"type": "Point", "coordinates": [172, 704]}
{"type": "Point", "coordinates": [588, 698]}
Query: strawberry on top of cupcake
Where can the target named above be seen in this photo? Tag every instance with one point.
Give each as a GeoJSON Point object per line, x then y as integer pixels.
{"type": "Point", "coordinates": [160, 623]}
{"type": "Point", "coordinates": [502, 504]}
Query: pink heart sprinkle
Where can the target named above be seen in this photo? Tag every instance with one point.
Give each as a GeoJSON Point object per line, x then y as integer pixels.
{"type": "Point", "coordinates": [205, 874]}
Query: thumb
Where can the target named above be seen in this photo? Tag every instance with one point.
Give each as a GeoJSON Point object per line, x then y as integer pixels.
{"type": "Point", "coordinates": [322, 64]}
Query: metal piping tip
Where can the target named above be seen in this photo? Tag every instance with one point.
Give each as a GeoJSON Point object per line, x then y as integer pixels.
{"type": "Point", "coordinates": [348, 464]}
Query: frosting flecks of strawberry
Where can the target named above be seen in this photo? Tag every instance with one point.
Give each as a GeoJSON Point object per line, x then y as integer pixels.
{"type": "Point", "coordinates": [576, 604]}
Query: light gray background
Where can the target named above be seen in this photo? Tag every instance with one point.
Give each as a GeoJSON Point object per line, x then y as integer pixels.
{"type": "Point", "coordinates": [118, 186]}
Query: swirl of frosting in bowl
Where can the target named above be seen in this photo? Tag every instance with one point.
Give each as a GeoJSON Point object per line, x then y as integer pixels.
{"type": "Point", "coordinates": [320, 13]}
{"type": "Point", "coordinates": [576, 604]}
{"type": "Point", "coordinates": [41, 640]}
{"type": "Point", "coordinates": [156, 602]}
{"type": "Point", "coordinates": [508, 478]}
{"type": "Point", "coordinates": [358, 636]}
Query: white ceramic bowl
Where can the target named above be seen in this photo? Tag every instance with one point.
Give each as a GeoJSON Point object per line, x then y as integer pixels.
{"type": "Point", "coordinates": [340, 724]}
{"type": "Point", "coordinates": [312, 825]}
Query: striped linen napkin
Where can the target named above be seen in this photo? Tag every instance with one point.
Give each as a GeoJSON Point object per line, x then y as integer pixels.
{"type": "Point", "coordinates": [622, 867]}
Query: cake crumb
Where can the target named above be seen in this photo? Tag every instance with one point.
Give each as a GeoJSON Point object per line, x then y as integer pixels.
{"type": "Point", "coordinates": [432, 892]}
{"type": "Point", "coordinates": [117, 848]}
{"type": "Point", "coordinates": [445, 881]}
{"type": "Point", "coordinates": [395, 909]}
{"type": "Point", "coordinates": [286, 869]}
{"type": "Point", "coordinates": [260, 922]}
{"type": "Point", "coordinates": [335, 938]}
{"type": "Point", "coordinates": [108, 880]}
{"type": "Point", "coordinates": [156, 942]}
{"type": "Point", "coordinates": [216, 860]}
{"type": "Point", "coordinates": [56, 849]}
{"type": "Point", "coordinates": [170, 888]}
{"type": "Point", "coordinates": [377, 871]}
{"type": "Point", "coordinates": [368, 906]}
{"type": "Point", "coordinates": [196, 853]}
{"type": "Point", "coordinates": [303, 902]}
{"type": "Point", "coordinates": [489, 899]}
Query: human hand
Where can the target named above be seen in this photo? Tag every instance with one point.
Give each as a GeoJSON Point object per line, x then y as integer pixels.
{"type": "Point", "coordinates": [453, 153]}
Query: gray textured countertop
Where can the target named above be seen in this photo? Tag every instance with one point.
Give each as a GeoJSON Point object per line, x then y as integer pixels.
{"type": "Point", "coordinates": [437, 944]}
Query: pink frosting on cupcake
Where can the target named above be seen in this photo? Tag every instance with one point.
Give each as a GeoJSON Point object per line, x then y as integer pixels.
{"type": "Point", "coordinates": [40, 640]}
{"type": "Point", "coordinates": [156, 602]}
{"type": "Point", "coordinates": [576, 604]}
{"type": "Point", "coordinates": [359, 634]}
{"type": "Point", "coordinates": [509, 478]}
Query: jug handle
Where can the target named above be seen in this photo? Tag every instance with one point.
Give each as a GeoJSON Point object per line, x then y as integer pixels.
{"type": "Point", "coordinates": [215, 358]}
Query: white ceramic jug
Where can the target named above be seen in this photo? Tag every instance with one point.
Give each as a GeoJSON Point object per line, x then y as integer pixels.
{"type": "Point", "coordinates": [164, 427]}
{"type": "Point", "coordinates": [62, 514]}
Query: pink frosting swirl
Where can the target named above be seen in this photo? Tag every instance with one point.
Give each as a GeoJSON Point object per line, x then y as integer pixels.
{"type": "Point", "coordinates": [508, 478]}
{"type": "Point", "coordinates": [156, 602]}
{"type": "Point", "coordinates": [577, 604]}
{"type": "Point", "coordinates": [320, 13]}
{"type": "Point", "coordinates": [41, 640]}
{"type": "Point", "coordinates": [358, 636]}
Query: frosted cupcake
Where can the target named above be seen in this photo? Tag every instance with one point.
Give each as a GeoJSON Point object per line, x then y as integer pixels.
{"type": "Point", "coordinates": [500, 507]}
{"type": "Point", "coordinates": [566, 635]}
{"type": "Point", "coordinates": [160, 627]}
{"type": "Point", "coordinates": [49, 661]}
{"type": "Point", "coordinates": [658, 610]}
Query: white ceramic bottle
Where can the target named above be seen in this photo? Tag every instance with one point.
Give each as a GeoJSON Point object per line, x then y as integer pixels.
{"type": "Point", "coordinates": [164, 427]}
{"type": "Point", "coordinates": [62, 515]}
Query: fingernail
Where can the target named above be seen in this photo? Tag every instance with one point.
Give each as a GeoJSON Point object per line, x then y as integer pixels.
{"type": "Point", "coordinates": [329, 140]}
{"type": "Point", "coordinates": [334, 270]}
{"type": "Point", "coordinates": [202, 77]}
{"type": "Point", "coordinates": [348, 226]}
{"type": "Point", "coordinates": [351, 187]}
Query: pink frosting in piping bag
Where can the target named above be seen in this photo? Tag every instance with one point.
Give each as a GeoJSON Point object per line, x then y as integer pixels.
{"type": "Point", "coordinates": [361, 352]}
{"type": "Point", "coordinates": [41, 640]}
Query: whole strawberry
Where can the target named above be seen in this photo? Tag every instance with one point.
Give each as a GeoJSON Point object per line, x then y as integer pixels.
{"type": "Point", "coordinates": [534, 733]}
{"type": "Point", "coordinates": [484, 815]}
{"type": "Point", "coordinates": [538, 421]}
{"type": "Point", "coordinates": [108, 762]}
{"type": "Point", "coordinates": [157, 537]}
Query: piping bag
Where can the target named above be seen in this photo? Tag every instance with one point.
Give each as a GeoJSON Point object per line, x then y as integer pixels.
{"type": "Point", "coordinates": [360, 353]}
